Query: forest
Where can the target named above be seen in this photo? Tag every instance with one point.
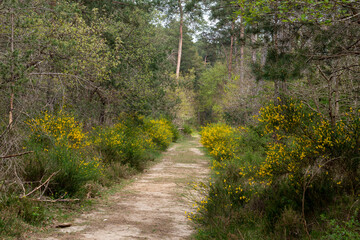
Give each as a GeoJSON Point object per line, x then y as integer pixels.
{"type": "Point", "coordinates": [92, 92]}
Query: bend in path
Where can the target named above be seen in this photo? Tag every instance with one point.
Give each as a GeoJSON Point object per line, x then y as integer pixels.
{"type": "Point", "coordinates": [152, 207]}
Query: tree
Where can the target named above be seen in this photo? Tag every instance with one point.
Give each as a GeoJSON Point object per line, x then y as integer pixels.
{"type": "Point", "coordinates": [185, 10]}
{"type": "Point", "coordinates": [316, 40]}
{"type": "Point", "coordinates": [22, 51]}
{"type": "Point", "coordinates": [180, 39]}
{"type": "Point", "coordinates": [210, 94]}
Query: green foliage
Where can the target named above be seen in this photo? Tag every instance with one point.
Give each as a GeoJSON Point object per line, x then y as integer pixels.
{"type": "Point", "coordinates": [59, 146]}
{"type": "Point", "coordinates": [311, 11]}
{"type": "Point", "coordinates": [286, 170]}
{"type": "Point", "coordinates": [280, 66]}
{"type": "Point", "coordinates": [307, 140]}
{"type": "Point", "coordinates": [76, 164]}
{"type": "Point", "coordinates": [211, 87]}
{"type": "Point", "coordinates": [125, 142]}
{"type": "Point", "coordinates": [174, 130]}
{"type": "Point", "coordinates": [345, 230]}
{"type": "Point", "coordinates": [17, 214]}
{"type": "Point", "coordinates": [133, 140]}
{"type": "Point", "coordinates": [187, 129]}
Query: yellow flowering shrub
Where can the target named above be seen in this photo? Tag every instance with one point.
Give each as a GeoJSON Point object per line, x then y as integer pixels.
{"type": "Point", "coordinates": [160, 132]}
{"type": "Point", "coordinates": [220, 140]}
{"type": "Point", "coordinates": [123, 142]}
{"type": "Point", "coordinates": [306, 140]}
{"type": "Point", "coordinates": [132, 139]}
{"type": "Point", "coordinates": [282, 116]}
{"type": "Point", "coordinates": [292, 159]}
{"type": "Point", "coordinates": [112, 140]}
{"type": "Point", "coordinates": [60, 146]}
{"type": "Point", "coordinates": [61, 127]}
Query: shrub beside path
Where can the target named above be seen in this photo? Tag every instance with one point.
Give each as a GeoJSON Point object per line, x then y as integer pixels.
{"type": "Point", "coordinates": [151, 207]}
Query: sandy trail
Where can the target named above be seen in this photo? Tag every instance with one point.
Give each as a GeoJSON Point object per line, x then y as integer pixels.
{"type": "Point", "coordinates": [152, 207]}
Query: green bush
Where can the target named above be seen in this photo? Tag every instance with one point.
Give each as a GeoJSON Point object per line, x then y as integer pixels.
{"type": "Point", "coordinates": [77, 163]}
{"type": "Point", "coordinates": [342, 230]}
{"type": "Point", "coordinates": [134, 140]}
{"type": "Point", "coordinates": [187, 129]}
{"type": "Point", "coordinates": [174, 130]}
{"type": "Point", "coordinates": [290, 168]}
{"type": "Point", "coordinates": [72, 169]}
{"type": "Point", "coordinates": [16, 214]}
{"type": "Point", "coordinates": [125, 142]}
{"type": "Point", "coordinates": [60, 147]}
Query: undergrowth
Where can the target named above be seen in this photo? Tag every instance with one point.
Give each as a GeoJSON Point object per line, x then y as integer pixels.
{"type": "Point", "coordinates": [293, 175]}
{"type": "Point", "coordinates": [67, 163]}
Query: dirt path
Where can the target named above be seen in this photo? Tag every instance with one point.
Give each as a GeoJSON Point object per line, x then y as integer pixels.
{"type": "Point", "coordinates": [152, 207]}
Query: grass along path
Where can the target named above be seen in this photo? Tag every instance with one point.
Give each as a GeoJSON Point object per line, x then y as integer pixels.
{"type": "Point", "coordinates": [152, 206]}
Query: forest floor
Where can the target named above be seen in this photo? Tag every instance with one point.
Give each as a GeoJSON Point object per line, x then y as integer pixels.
{"type": "Point", "coordinates": [152, 206]}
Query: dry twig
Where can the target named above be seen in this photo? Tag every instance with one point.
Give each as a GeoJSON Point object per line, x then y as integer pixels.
{"type": "Point", "coordinates": [41, 185]}
{"type": "Point", "coordinates": [54, 200]}
{"type": "Point", "coordinates": [16, 155]}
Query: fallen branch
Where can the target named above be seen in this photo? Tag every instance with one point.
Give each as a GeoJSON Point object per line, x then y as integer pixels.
{"type": "Point", "coordinates": [54, 200]}
{"type": "Point", "coordinates": [63, 225]}
{"type": "Point", "coordinates": [44, 183]}
{"type": "Point", "coordinates": [16, 155]}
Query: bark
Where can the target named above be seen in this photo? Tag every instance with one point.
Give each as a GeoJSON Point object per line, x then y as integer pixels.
{"type": "Point", "coordinates": [280, 91]}
{"type": "Point", "coordinates": [254, 39]}
{"type": "Point", "coordinates": [11, 117]}
{"type": "Point", "coordinates": [49, 95]}
{"type": "Point", "coordinates": [12, 94]}
{"type": "Point", "coordinates": [280, 86]}
{"type": "Point", "coordinates": [180, 41]}
{"type": "Point", "coordinates": [242, 55]}
{"type": "Point", "coordinates": [330, 98]}
{"type": "Point", "coordinates": [337, 98]}
{"type": "Point", "coordinates": [315, 98]}
{"type": "Point", "coordinates": [263, 56]}
{"type": "Point", "coordinates": [103, 101]}
{"type": "Point", "coordinates": [231, 49]}
{"type": "Point", "coordinates": [330, 106]}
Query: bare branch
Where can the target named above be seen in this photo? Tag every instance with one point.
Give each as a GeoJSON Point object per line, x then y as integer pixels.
{"type": "Point", "coordinates": [55, 200]}
{"type": "Point", "coordinates": [16, 155]}
{"type": "Point", "coordinates": [44, 183]}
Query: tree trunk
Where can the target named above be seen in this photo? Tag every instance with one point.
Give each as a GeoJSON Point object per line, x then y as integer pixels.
{"type": "Point", "coordinates": [263, 55]}
{"type": "Point", "coordinates": [11, 117]}
{"type": "Point", "coordinates": [280, 86]}
{"type": "Point", "coordinates": [330, 106]}
{"type": "Point", "coordinates": [49, 95]}
{"type": "Point", "coordinates": [253, 40]}
{"type": "Point", "coordinates": [180, 41]}
{"type": "Point", "coordinates": [102, 115]}
{"type": "Point", "coordinates": [231, 49]}
{"type": "Point", "coordinates": [12, 85]}
{"type": "Point", "coordinates": [242, 55]}
{"type": "Point", "coordinates": [337, 98]}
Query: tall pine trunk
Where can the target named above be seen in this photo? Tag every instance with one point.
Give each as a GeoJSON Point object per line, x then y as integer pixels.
{"type": "Point", "coordinates": [180, 41]}
{"type": "Point", "coordinates": [279, 84]}
{"type": "Point", "coordinates": [231, 49]}
{"type": "Point", "coordinates": [242, 54]}
{"type": "Point", "coordinates": [12, 85]}
{"type": "Point", "coordinates": [254, 40]}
